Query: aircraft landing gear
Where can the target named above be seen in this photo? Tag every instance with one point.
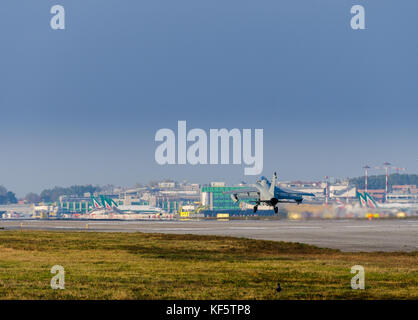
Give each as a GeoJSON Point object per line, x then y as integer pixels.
{"type": "Point", "coordinates": [276, 210]}
{"type": "Point", "coordinates": [255, 209]}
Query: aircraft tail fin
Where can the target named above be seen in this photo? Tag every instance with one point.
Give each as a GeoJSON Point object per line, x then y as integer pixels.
{"type": "Point", "coordinates": [273, 183]}
{"type": "Point", "coordinates": [367, 201]}
{"type": "Point", "coordinates": [107, 202]}
{"type": "Point", "coordinates": [371, 202]}
{"type": "Point", "coordinates": [362, 200]}
{"type": "Point", "coordinates": [114, 204]}
{"type": "Point", "coordinates": [340, 204]}
{"type": "Point", "coordinates": [95, 203]}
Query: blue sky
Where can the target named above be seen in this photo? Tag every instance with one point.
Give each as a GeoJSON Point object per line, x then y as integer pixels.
{"type": "Point", "coordinates": [82, 105]}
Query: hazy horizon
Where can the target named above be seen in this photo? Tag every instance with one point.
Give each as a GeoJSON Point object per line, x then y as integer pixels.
{"type": "Point", "coordinates": [82, 105]}
{"type": "Point", "coordinates": [203, 182]}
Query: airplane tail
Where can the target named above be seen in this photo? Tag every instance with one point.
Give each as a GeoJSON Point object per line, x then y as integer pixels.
{"type": "Point", "coordinates": [371, 202]}
{"type": "Point", "coordinates": [340, 204]}
{"type": "Point", "coordinates": [108, 203]}
{"type": "Point", "coordinates": [273, 183]}
{"type": "Point", "coordinates": [95, 203]}
{"type": "Point", "coordinates": [362, 200]}
{"type": "Point", "coordinates": [367, 201]}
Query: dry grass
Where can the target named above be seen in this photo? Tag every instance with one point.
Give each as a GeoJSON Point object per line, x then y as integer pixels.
{"type": "Point", "coordinates": [162, 266]}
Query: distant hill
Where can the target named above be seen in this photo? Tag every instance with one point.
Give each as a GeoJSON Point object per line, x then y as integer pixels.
{"type": "Point", "coordinates": [378, 182]}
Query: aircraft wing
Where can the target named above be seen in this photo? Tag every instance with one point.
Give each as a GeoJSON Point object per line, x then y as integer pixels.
{"type": "Point", "coordinates": [246, 193]}
{"type": "Point", "coordinates": [308, 194]}
{"type": "Point", "coordinates": [298, 193]}
{"type": "Point", "coordinates": [242, 191]}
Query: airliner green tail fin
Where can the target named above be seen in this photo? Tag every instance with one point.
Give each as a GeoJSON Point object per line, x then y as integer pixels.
{"type": "Point", "coordinates": [107, 202]}
{"type": "Point", "coordinates": [371, 203]}
{"type": "Point", "coordinates": [362, 200]}
{"type": "Point", "coordinates": [95, 203]}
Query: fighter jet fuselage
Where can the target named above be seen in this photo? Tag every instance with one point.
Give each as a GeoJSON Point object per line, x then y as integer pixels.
{"type": "Point", "coordinates": [267, 193]}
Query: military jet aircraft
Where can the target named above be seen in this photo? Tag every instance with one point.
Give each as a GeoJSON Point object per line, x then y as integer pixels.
{"type": "Point", "coordinates": [267, 193]}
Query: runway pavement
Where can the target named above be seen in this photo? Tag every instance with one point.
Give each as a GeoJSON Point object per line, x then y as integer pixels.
{"type": "Point", "coordinates": [347, 235]}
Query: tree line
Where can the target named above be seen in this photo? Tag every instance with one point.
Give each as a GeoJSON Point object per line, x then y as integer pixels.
{"type": "Point", "coordinates": [6, 196]}
{"type": "Point", "coordinates": [52, 195]}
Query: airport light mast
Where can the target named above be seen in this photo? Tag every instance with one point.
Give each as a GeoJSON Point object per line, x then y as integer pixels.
{"type": "Point", "coordinates": [326, 190]}
{"type": "Point", "coordinates": [366, 167]}
{"type": "Point", "coordinates": [386, 166]}
{"type": "Point", "coordinates": [348, 187]}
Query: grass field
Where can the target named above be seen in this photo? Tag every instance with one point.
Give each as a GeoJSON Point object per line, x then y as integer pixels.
{"type": "Point", "coordinates": [157, 266]}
